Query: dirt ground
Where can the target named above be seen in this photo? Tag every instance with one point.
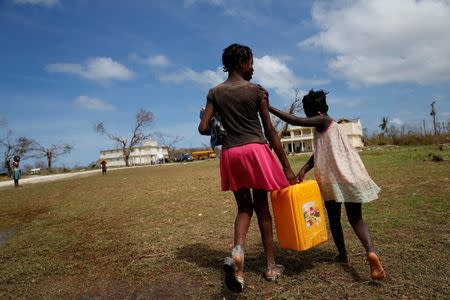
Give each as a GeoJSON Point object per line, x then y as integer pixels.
{"type": "Point", "coordinates": [162, 233]}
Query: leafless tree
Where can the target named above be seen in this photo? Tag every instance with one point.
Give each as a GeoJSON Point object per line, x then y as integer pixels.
{"type": "Point", "coordinates": [143, 119]}
{"type": "Point", "coordinates": [12, 146]}
{"type": "Point", "coordinates": [294, 108]}
{"type": "Point", "coordinates": [50, 153]}
{"type": "Point", "coordinates": [168, 141]}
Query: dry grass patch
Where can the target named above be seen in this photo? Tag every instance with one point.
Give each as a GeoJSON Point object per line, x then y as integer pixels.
{"type": "Point", "coordinates": [162, 233]}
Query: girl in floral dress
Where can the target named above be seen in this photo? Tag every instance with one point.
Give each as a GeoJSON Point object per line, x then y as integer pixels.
{"type": "Point", "coordinates": [341, 176]}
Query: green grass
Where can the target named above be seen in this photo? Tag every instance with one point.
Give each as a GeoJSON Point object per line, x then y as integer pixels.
{"type": "Point", "coordinates": [162, 233]}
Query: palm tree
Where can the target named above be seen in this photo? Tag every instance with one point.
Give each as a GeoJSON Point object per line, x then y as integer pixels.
{"type": "Point", "coordinates": [384, 124]}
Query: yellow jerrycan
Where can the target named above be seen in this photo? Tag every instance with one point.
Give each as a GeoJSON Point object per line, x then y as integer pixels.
{"type": "Point", "coordinates": [299, 216]}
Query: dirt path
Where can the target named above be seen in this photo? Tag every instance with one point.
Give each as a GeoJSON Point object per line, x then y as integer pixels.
{"type": "Point", "coordinates": [47, 178]}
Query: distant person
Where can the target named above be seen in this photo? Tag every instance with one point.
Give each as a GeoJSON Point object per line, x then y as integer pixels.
{"type": "Point", "coordinates": [16, 170]}
{"type": "Point", "coordinates": [104, 168]}
{"type": "Point", "coordinates": [341, 176]}
{"type": "Point", "coordinates": [247, 165]}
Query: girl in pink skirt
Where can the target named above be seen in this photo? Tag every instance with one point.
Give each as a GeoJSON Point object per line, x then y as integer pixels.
{"type": "Point", "coordinates": [247, 166]}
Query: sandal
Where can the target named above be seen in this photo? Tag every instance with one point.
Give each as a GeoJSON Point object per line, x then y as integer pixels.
{"type": "Point", "coordinates": [274, 272]}
{"type": "Point", "coordinates": [376, 269]}
{"type": "Point", "coordinates": [231, 266]}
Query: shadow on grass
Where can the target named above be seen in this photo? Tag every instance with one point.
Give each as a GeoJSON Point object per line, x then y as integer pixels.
{"type": "Point", "coordinates": [352, 272]}
{"type": "Point", "coordinates": [295, 262]}
{"type": "Point", "coordinates": [202, 255]}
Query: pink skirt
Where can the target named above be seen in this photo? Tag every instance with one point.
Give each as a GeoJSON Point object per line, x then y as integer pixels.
{"type": "Point", "coordinates": [251, 166]}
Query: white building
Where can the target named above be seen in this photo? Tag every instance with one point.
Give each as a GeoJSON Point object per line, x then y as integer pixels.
{"type": "Point", "coordinates": [300, 139]}
{"type": "Point", "coordinates": [149, 153]}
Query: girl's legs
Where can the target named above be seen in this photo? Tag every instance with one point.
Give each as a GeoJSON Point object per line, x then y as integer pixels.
{"type": "Point", "coordinates": [261, 206]}
{"type": "Point", "coordinates": [16, 182]}
{"type": "Point", "coordinates": [245, 211]}
{"type": "Point", "coordinates": [354, 215]}
{"type": "Point", "coordinates": [334, 218]}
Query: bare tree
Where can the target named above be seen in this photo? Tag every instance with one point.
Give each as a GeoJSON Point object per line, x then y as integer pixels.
{"type": "Point", "coordinates": [168, 141]}
{"type": "Point", "coordinates": [12, 146]}
{"type": "Point", "coordinates": [50, 153]}
{"type": "Point", "coordinates": [143, 118]}
{"type": "Point", "coordinates": [294, 108]}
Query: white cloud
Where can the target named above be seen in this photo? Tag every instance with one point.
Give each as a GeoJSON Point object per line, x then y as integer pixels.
{"type": "Point", "coordinates": [100, 69]}
{"type": "Point", "coordinates": [273, 73]}
{"type": "Point", "coordinates": [93, 104]}
{"type": "Point", "coordinates": [383, 41]}
{"type": "Point", "coordinates": [348, 103]}
{"type": "Point", "coordinates": [255, 12]}
{"type": "Point", "coordinates": [208, 77]}
{"type": "Point", "coordinates": [270, 72]}
{"type": "Point", "coordinates": [397, 122]}
{"type": "Point", "coordinates": [158, 60]}
{"type": "Point", "coordinates": [188, 3]}
{"type": "Point", "coordinates": [48, 3]}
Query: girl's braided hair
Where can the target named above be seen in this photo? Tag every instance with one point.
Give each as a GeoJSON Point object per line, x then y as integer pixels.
{"type": "Point", "coordinates": [235, 54]}
{"type": "Point", "coordinates": [314, 102]}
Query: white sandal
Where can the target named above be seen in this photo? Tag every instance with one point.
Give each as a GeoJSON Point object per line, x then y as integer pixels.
{"type": "Point", "coordinates": [234, 282]}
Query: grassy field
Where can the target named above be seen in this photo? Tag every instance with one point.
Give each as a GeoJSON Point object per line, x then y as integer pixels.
{"type": "Point", "coordinates": [162, 233]}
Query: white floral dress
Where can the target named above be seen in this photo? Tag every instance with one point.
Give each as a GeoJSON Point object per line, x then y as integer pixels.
{"type": "Point", "coordinates": [338, 169]}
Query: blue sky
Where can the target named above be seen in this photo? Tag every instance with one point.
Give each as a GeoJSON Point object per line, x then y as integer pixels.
{"type": "Point", "coordinates": [67, 64]}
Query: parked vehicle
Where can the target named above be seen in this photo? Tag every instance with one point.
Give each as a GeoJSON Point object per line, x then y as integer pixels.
{"type": "Point", "coordinates": [186, 157]}
{"type": "Point", "coordinates": [203, 154]}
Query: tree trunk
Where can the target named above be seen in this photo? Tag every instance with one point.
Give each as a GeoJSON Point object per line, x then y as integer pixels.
{"type": "Point", "coordinates": [126, 155]}
{"type": "Point", "coordinates": [49, 161]}
{"type": "Point", "coordinates": [8, 167]}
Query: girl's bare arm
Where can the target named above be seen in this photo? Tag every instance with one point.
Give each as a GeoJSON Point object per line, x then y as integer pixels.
{"type": "Point", "coordinates": [308, 166]}
{"type": "Point", "coordinates": [204, 125]}
{"type": "Point", "coordinates": [274, 140]}
{"type": "Point", "coordinates": [316, 121]}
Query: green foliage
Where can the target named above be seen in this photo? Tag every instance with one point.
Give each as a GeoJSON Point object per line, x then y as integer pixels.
{"type": "Point", "coordinates": [403, 137]}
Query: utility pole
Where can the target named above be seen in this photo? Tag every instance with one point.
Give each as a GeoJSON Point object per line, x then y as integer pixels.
{"type": "Point", "coordinates": [433, 114]}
